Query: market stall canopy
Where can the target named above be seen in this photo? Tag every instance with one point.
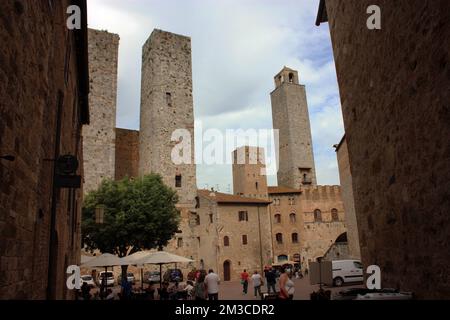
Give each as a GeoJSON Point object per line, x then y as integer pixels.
{"type": "Point", "coordinates": [85, 259]}
{"type": "Point", "coordinates": [133, 259]}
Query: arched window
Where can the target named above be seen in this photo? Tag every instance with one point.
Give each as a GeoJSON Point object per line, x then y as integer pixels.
{"type": "Point", "coordinates": [291, 77]}
{"type": "Point", "coordinates": [292, 218]}
{"type": "Point", "coordinates": [278, 218]}
{"type": "Point", "coordinates": [279, 238]}
{"type": "Point", "coordinates": [295, 237]}
{"type": "Point", "coordinates": [317, 215]}
{"type": "Point", "coordinates": [334, 214]}
{"type": "Point", "coordinates": [226, 241]}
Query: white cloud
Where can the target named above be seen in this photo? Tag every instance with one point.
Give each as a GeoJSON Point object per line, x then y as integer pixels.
{"type": "Point", "coordinates": [237, 46]}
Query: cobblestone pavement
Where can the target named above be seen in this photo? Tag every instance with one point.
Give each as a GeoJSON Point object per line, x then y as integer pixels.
{"type": "Point", "coordinates": [233, 290]}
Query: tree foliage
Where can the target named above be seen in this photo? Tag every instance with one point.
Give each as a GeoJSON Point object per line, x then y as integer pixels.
{"type": "Point", "coordinates": [139, 214]}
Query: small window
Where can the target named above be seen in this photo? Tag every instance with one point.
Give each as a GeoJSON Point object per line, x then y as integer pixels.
{"type": "Point", "coordinates": [279, 238]}
{"type": "Point", "coordinates": [256, 185]}
{"type": "Point", "coordinates": [357, 264]}
{"type": "Point", "coordinates": [178, 181]}
{"type": "Point", "coordinates": [226, 241]}
{"type": "Point", "coordinates": [169, 99]}
{"type": "Point", "coordinates": [197, 219]}
{"type": "Point", "coordinates": [317, 215]}
{"type": "Point", "coordinates": [243, 216]}
{"type": "Point", "coordinates": [293, 218]}
{"type": "Point", "coordinates": [244, 239]}
{"type": "Point", "coordinates": [278, 218]}
{"type": "Point", "coordinates": [334, 215]}
{"type": "Point", "coordinates": [180, 242]}
{"type": "Point", "coordinates": [295, 238]}
{"type": "Point", "coordinates": [211, 218]}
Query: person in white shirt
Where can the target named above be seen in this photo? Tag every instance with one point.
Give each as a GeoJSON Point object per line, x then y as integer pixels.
{"type": "Point", "coordinates": [212, 285]}
{"type": "Point", "coordinates": [257, 283]}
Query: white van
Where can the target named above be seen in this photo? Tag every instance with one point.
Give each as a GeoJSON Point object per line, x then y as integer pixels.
{"type": "Point", "coordinates": [345, 271]}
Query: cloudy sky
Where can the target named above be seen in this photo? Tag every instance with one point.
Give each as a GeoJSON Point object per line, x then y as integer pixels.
{"type": "Point", "coordinates": [237, 48]}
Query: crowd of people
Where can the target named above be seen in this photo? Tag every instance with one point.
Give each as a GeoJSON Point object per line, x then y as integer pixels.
{"type": "Point", "coordinates": [283, 276]}
{"type": "Point", "coordinates": [202, 286]}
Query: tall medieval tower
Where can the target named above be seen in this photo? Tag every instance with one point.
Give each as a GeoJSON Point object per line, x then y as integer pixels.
{"type": "Point", "coordinates": [290, 116]}
{"type": "Point", "coordinates": [249, 172]}
{"type": "Point", "coordinates": [99, 137]}
{"type": "Point", "coordinates": [166, 106]}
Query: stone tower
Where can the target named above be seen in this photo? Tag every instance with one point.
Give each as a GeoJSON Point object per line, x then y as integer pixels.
{"type": "Point", "coordinates": [167, 105]}
{"type": "Point", "coordinates": [290, 116]}
{"type": "Point", "coordinates": [100, 135]}
{"type": "Point", "coordinates": [249, 174]}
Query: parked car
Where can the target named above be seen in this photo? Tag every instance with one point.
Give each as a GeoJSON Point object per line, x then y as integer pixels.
{"type": "Point", "coordinates": [130, 277]}
{"type": "Point", "coordinates": [88, 279]}
{"type": "Point", "coordinates": [152, 276]}
{"type": "Point", "coordinates": [347, 271]}
{"type": "Point", "coordinates": [173, 275]}
{"type": "Point", "coordinates": [109, 276]}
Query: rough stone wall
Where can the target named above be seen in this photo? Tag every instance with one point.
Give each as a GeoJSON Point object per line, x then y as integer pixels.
{"type": "Point", "coordinates": [127, 153]}
{"type": "Point", "coordinates": [285, 204]}
{"type": "Point", "coordinates": [338, 251]}
{"type": "Point", "coordinates": [249, 178]}
{"type": "Point", "coordinates": [167, 105]}
{"type": "Point", "coordinates": [320, 235]}
{"type": "Point", "coordinates": [38, 72]}
{"type": "Point", "coordinates": [345, 176]}
{"type": "Point", "coordinates": [259, 247]}
{"type": "Point", "coordinates": [291, 118]}
{"type": "Point", "coordinates": [394, 92]}
{"type": "Point", "coordinates": [99, 137]}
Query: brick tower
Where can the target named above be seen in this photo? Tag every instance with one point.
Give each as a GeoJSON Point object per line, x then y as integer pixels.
{"type": "Point", "coordinates": [290, 116]}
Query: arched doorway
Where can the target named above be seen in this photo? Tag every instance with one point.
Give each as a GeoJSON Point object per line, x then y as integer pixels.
{"type": "Point", "coordinates": [227, 270]}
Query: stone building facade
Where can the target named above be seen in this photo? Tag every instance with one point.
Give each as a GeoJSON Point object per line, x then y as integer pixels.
{"type": "Point", "coordinates": [207, 217]}
{"type": "Point", "coordinates": [345, 176]}
{"type": "Point", "coordinates": [234, 234]}
{"type": "Point", "coordinates": [394, 92]}
{"type": "Point", "coordinates": [99, 137]}
{"type": "Point", "coordinates": [290, 116]}
{"type": "Point", "coordinates": [44, 87]}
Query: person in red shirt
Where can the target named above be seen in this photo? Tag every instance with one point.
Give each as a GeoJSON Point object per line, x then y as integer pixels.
{"type": "Point", "coordinates": [244, 281]}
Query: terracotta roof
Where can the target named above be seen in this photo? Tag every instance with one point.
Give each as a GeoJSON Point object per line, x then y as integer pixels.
{"type": "Point", "coordinates": [230, 198]}
{"type": "Point", "coordinates": [279, 190]}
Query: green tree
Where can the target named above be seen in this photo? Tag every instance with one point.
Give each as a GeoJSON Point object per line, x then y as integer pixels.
{"type": "Point", "coordinates": [139, 214]}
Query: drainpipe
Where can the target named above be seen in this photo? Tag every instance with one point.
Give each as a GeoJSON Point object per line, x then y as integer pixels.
{"type": "Point", "coordinates": [260, 242]}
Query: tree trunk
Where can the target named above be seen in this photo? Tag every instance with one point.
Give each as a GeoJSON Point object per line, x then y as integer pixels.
{"type": "Point", "coordinates": [124, 273]}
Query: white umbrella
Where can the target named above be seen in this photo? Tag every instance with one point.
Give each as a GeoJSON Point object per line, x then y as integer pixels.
{"type": "Point", "coordinates": [104, 260]}
{"type": "Point", "coordinates": [132, 260]}
{"type": "Point", "coordinates": [162, 257]}
{"type": "Point", "coordinates": [85, 259]}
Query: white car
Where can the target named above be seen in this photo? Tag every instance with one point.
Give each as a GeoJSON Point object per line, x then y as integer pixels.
{"type": "Point", "coordinates": [109, 278]}
{"type": "Point", "coordinates": [346, 271]}
{"type": "Point", "coordinates": [88, 279]}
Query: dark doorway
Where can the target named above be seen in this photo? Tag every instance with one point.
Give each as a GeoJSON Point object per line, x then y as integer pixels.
{"type": "Point", "coordinates": [227, 271]}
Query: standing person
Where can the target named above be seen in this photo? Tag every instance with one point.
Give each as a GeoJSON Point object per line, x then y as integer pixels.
{"type": "Point", "coordinates": [284, 295]}
{"type": "Point", "coordinates": [212, 285]}
{"type": "Point", "coordinates": [200, 292]}
{"type": "Point", "coordinates": [257, 283]}
{"type": "Point", "coordinates": [290, 286]}
{"type": "Point", "coordinates": [271, 279]}
{"type": "Point", "coordinates": [244, 281]}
